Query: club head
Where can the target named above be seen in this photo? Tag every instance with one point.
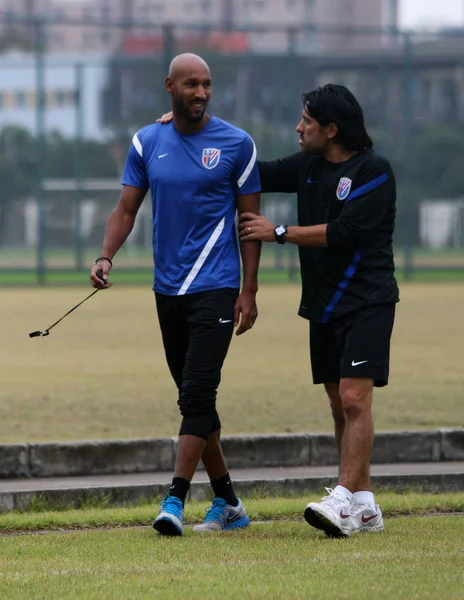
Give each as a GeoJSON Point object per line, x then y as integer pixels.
{"type": "Point", "coordinates": [39, 333]}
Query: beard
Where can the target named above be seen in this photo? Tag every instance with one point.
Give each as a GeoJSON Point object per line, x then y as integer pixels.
{"type": "Point", "coordinates": [311, 148]}
{"type": "Point", "coordinates": [185, 110]}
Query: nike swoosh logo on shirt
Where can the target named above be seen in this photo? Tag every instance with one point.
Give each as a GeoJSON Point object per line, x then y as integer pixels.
{"type": "Point", "coordinates": [361, 362]}
{"type": "Point", "coordinates": [222, 321]}
{"type": "Point", "coordinates": [163, 155]}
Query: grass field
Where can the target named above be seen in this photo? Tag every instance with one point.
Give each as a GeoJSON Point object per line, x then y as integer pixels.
{"type": "Point", "coordinates": [417, 558]}
{"type": "Point", "coordinates": [41, 518]}
{"type": "Point", "coordinates": [102, 373]}
{"type": "Point", "coordinates": [26, 258]}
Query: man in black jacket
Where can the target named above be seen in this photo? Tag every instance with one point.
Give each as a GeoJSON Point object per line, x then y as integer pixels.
{"type": "Point", "coordinates": [346, 217]}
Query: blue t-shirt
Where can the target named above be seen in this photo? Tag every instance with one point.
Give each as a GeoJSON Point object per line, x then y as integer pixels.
{"type": "Point", "coordinates": [194, 180]}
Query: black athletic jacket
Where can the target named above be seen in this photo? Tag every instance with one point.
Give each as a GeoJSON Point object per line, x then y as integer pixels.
{"type": "Point", "coordinates": [357, 199]}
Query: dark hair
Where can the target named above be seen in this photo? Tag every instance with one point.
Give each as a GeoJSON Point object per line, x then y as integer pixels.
{"type": "Point", "coordinates": [336, 104]}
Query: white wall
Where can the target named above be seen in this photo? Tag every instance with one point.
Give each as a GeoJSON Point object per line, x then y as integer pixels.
{"type": "Point", "coordinates": [18, 75]}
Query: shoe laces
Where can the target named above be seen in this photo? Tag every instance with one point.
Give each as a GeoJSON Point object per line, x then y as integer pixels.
{"type": "Point", "coordinates": [334, 500]}
{"type": "Point", "coordinates": [172, 504]}
{"type": "Point", "coordinates": [216, 511]}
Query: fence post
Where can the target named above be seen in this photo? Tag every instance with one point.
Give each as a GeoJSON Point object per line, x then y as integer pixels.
{"type": "Point", "coordinates": [168, 51]}
{"type": "Point", "coordinates": [407, 128]}
{"type": "Point", "coordinates": [79, 164]}
{"type": "Point", "coordinates": [40, 148]}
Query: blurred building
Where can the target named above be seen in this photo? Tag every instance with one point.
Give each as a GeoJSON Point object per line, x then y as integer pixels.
{"type": "Point", "coordinates": [18, 93]}
{"type": "Point", "coordinates": [273, 20]}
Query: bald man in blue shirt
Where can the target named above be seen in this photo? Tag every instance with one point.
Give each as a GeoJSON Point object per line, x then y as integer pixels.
{"type": "Point", "coordinates": [200, 171]}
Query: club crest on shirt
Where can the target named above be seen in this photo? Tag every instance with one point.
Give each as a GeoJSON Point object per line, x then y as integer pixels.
{"type": "Point", "coordinates": [344, 187]}
{"type": "Point", "coordinates": [211, 157]}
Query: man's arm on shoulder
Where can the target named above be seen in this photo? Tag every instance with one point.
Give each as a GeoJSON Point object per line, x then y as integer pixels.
{"type": "Point", "coordinates": [281, 175]}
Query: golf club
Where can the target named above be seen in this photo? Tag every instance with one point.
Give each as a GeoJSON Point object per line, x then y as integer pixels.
{"type": "Point", "coordinates": [47, 331]}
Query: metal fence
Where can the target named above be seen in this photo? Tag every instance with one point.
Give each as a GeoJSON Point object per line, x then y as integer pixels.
{"type": "Point", "coordinates": [66, 120]}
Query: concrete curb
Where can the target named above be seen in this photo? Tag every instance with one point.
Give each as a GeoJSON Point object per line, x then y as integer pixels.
{"type": "Point", "coordinates": [248, 451]}
{"type": "Point", "coordinates": [127, 495]}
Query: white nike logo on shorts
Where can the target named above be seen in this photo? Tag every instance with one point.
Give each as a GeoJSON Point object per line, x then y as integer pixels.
{"type": "Point", "coordinates": [163, 155]}
{"type": "Point", "coordinates": [355, 364]}
{"type": "Point", "coordinates": [222, 321]}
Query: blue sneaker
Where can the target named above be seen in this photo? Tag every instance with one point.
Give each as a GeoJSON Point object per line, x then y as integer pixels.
{"type": "Point", "coordinates": [170, 521]}
{"type": "Point", "coordinates": [223, 517]}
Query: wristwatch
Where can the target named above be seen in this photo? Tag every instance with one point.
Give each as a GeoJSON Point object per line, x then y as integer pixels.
{"type": "Point", "coordinates": [280, 232]}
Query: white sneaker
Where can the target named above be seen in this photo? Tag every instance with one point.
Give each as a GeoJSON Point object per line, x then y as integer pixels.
{"type": "Point", "coordinates": [332, 514]}
{"type": "Point", "coordinates": [223, 517]}
{"type": "Point", "coordinates": [366, 518]}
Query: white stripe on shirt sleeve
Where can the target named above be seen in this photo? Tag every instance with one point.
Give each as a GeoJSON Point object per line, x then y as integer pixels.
{"type": "Point", "coordinates": [246, 173]}
{"type": "Point", "coordinates": [201, 259]}
{"type": "Point", "coordinates": [137, 144]}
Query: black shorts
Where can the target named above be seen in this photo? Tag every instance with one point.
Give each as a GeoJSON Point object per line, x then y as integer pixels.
{"type": "Point", "coordinates": [356, 345]}
{"type": "Point", "coordinates": [196, 331]}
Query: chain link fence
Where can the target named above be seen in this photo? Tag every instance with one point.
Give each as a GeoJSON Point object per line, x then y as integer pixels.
{"type": "Point", "coordinates": [67, 118]}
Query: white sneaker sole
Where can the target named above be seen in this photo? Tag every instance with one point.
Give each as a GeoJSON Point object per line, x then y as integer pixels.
{"type": "Point", "coordinates": [318, 519]}
{"type": "Point", "coordinates": [374, 529]}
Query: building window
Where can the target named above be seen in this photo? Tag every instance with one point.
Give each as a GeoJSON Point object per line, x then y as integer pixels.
{"type": "Point", "coordinates": [450, 100]}
{"type": "Point", "coordinates": [31, 98]}
{"type": "Point", "coordinates": [88, 40]}
{"type": "Point", "coordinates": [50, 99]}
{"type": "Point", "coordinates": [422, 91]}
{"type": "Point", "coordinates": [105, 36]}
{"type": "Point", "coordinates": [20, 100]}
{"type": "Point", "coordinates": [60, 99]}
{"type": "Point", "coordinates": [71, 98]}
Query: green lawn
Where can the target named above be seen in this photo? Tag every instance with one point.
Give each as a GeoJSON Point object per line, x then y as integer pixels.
{"type": "Point", "coordinates": [144, 276]}
{"type": "Point", "coordinates": [40, 518]}
{"type": "Point", "coordinates": [102, 372]}
{"type": "Point", "coordinates": [416, 558]}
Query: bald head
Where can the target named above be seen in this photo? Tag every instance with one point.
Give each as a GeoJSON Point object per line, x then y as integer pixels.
{"type": "Point", "coordinates": [184, 65]}
{"type": "Point", "coordinates": [189, 84]}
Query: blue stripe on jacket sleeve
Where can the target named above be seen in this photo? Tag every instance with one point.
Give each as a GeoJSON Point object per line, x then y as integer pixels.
{"type": "Point", "coordinates": [367, 187]}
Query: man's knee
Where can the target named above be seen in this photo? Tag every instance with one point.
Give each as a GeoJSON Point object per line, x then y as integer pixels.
{"type": "Point", "coordinates": [198, 426]}
{"type": "Point", "coordinates": [356, 400]}
{"type": "Point", "coordinates": [200, 417]}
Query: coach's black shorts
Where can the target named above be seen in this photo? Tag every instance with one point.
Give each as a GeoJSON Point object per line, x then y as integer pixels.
{"type": "Point", "coordinates": [197, 330]}
{"type": "Point", "coordinates": [356, 345]}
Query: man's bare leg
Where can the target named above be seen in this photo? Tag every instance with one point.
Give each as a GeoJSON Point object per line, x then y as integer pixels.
{"type": "Point", "coordinates": [358, 436]}
{"type": "Point", "coordinates": [213, 458]}
{"type": "Point", "coordinates": [333, 514]}
{"type": "Point", "coordinates": [189, 451]}
{"type": "Point", "coordinates": [333, 392]}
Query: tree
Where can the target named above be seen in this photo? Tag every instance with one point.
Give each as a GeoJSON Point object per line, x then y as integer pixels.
{"type": "Point", "coordinates": [18, 164]}
{"type": "Point", "coordinates": [437, 161]}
